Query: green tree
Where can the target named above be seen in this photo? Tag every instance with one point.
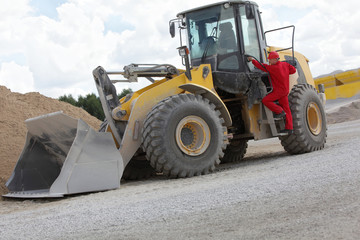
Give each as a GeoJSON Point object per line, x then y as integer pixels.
{"type": "Point", "coordinates": [92, 105]}
{"type": "Point", "coordinates": [124, 92]}
{"type": "Point", "coordinates": [69, 99]}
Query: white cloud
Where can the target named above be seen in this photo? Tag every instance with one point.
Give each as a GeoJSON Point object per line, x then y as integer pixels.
{"type": "Point", "coordinates": [350, 48]}
{"type": "Point", "coordinates": [17, 78]}
{"type": "Point", "coordinates": [14, 8]}
{"type": "Point", "coordinates": [327, 36]}
{"type": "Point", "coordinates": [61, 53]}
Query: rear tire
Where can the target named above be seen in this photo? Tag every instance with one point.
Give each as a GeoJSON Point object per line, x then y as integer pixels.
{"type": "Point", "coordinates": [235, 151]}
{"type": "Point", "coordinates": [138, 169]}
{"type": "Point", "coordinates": [184, 136]}
{"type": "Point", "coordinates": [310, 130]}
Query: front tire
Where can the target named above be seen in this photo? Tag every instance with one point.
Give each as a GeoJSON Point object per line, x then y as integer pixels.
{"type": "Point", "coordinates": [310, 130]}
{"type": "Point", "coordinates": [184, 136]}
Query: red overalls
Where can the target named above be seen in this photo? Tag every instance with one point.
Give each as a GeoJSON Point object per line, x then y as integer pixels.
{"type": "Point", "coordinates": [279, 74]}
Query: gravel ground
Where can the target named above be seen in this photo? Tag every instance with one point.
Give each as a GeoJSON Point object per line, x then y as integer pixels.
{"type": "Point", "coordinates": [270, 195]}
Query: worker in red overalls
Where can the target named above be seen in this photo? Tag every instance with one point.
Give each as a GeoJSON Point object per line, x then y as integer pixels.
{"type": "Point", "coordinates": [279, 74]}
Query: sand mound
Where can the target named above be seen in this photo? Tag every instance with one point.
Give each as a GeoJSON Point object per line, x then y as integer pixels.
{"type": "Point", "coordinates": [15, 108]}
{"type": "Point", "coordinates": [344, 113]}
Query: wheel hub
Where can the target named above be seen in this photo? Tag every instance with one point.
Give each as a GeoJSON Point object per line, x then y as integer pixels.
{"type": "Point", "coordinates": [314, 120]}
{"type": "Point", "coordinates": [192, 135]}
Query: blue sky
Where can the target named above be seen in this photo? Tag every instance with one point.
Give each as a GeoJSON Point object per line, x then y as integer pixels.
{"type": "Point", "coordinates": [46, 7]}
{"type": "Point", "coordinates": [52, 46]}
{"type": "Point", "coordinates": [116, 23]}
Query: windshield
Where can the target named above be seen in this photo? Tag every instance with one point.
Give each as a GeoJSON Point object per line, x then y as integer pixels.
{"type": "Point", "coordinates": [211, 31]}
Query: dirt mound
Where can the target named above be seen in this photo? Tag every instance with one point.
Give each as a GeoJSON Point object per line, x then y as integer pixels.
{"type": "Point", "coordinates": [14, 110]}
{"type": "Point", "coordinates": [344, 113]}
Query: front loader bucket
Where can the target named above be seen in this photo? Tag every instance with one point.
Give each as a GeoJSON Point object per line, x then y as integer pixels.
{"type": "Point", "coordinates": [62, 156]}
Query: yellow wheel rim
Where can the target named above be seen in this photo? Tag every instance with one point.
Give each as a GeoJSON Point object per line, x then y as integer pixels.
{"type": "Point", "coordinates": [314, 119]}
{"type": "Point", "coordinates": [192, 135]}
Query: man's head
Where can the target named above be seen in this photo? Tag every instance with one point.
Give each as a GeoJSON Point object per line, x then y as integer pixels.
{"type": "Point", "coordinates": [273, 58]}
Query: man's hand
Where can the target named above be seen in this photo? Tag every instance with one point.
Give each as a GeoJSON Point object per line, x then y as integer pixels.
{"type": "Point", "coordinates": [250, 59]}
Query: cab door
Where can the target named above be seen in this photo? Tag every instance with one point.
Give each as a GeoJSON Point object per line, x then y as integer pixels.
{"type": "Point", "coordinates": [252, 36]}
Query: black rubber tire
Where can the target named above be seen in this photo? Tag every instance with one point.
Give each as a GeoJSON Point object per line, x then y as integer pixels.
{"type": "Point", "coordinates": [235, 151]}
{"type": "Point", "coordinates": [138, 168]}
{"type": "Point", "coordinates": [303, 139]}
{"type": "Point", "coordinates": [159, 136]}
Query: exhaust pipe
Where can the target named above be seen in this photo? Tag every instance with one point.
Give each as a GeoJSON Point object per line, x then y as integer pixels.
{"type": "Point", "coordinates": [62, 156]}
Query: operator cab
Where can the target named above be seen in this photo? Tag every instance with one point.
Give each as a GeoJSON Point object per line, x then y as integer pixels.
{"type": "Point", "coordinates": [221, 35]}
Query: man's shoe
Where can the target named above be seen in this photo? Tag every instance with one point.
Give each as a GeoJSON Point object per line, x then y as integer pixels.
{"type": "Point", "coordinates": [280, 115]}
{"type": "Point", "coordinates": [286, 132]}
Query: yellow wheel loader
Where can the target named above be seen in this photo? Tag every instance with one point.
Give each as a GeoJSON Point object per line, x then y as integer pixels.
{"type": "Point", "coordinates": [182, 125]}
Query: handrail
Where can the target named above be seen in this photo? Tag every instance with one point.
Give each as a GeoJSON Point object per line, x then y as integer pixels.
{"type": "Point", "coordinates": [292, 42]}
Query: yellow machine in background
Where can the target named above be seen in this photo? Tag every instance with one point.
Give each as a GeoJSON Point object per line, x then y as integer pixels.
{"type": "Point", "coordinates": [183, 125]}
{"type": "Point", "coordinates": [340, 85]}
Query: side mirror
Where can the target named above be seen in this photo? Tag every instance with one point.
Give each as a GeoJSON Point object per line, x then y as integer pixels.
{"type": "Point", "coordinates": [249, 10]}
{"type": "Point", "coordinates": [172, 29]}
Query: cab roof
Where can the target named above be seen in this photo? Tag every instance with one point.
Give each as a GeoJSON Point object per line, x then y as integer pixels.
{"type": "Point", "coordinates": [215, 4]}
